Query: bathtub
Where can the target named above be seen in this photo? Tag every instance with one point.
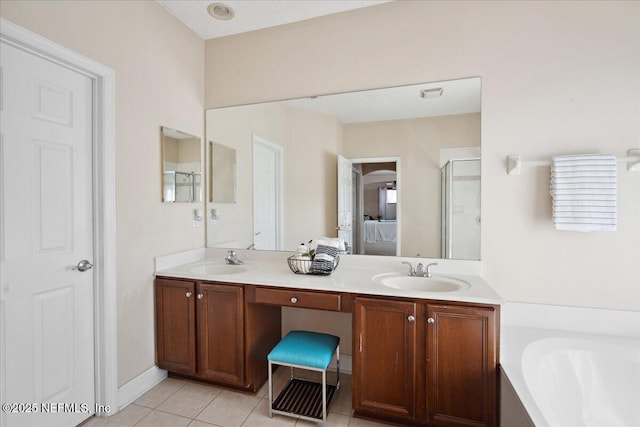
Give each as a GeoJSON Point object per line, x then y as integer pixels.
{"type": "Point", "coordinates": [570, 378]}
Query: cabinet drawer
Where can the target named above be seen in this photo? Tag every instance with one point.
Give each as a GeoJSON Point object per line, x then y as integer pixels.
{"type": "Point", "coordinates": [293, 298]}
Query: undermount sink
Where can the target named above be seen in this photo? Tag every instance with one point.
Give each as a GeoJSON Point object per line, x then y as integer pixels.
{"type": "Point", "coordinates": [425, 284]}
{"type": "Point", "coordinates": [215, 268]}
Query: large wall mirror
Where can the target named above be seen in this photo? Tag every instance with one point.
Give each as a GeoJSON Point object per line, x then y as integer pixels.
{"type": "Point", "coordinates": [392, 171]}
{"type": "Point", "coordinates": [181, 166]}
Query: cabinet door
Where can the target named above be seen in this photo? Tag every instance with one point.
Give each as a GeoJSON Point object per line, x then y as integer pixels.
{"type": "Point", "coordinates": [461, 365]}
{"type": "Point", "coordinates": [175, 325]}
{"type": "Point", "coordinates": [385, 344]}
{"type": "Point", "coordinates": [221, 333]}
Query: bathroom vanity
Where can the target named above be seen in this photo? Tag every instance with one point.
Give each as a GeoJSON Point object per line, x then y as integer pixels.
{"type": "Point", "coordinates": [420, 358]}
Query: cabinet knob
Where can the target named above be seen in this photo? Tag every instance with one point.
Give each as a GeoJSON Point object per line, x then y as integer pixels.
{"type": "Point", "coordinates": [430, 320]}
{"type": "Point", "coordinates": [294, 300]}
{"type": "Point", "coordinates": [188, 294]}
{"type": "Point", "coordinates": [411, 318]}
{"type": "Point", "coordinates": [200, 296]}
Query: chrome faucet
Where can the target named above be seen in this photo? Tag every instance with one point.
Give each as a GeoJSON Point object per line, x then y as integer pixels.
{"type": "Point", "coordinates": [232, 258]}
{"type": "Point", "coordinates": [420, 270]}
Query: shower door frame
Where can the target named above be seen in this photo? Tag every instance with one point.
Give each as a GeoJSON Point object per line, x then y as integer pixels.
{"type": "Point", "coordinates": [446, 194]}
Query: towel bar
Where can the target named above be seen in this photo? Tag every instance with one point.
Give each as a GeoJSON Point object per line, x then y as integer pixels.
{"type": "Point", "coordinates": [514, 162]}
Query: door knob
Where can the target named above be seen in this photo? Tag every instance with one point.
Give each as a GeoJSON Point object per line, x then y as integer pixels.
{"type": "Point", "coordinates": [188, 294]}
{"type": "Point", "coordinates": [411, 318]}
{"type": "Point", "coordinates": [83, 265]}
{"type": "Point", "coordinates": [430, 320]}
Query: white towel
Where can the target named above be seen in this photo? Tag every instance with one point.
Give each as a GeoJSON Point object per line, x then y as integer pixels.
{"type": "Point", "coordinates": [584, 191]}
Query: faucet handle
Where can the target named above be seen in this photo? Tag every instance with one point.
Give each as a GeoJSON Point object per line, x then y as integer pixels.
{"type": "Point", "coordinates": [427, 269]}
{"type": "Point", "coordinates": [412, 271]}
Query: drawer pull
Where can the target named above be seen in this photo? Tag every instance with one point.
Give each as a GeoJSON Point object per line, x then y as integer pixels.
{"type": "Point", "coordinates": [200, 296]}
{"type": "Point", "coordinates": [294, 300]}
{"type": "Point", "coordinates": [188, 294]}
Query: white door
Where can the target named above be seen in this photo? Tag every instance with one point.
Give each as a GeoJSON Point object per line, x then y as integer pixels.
{"type": "Point", "coordinates": [47, 226]}
{"type": "Point", "coordinates": [345, 200]}
{"type": "Point", "coordinates": [267, 163]}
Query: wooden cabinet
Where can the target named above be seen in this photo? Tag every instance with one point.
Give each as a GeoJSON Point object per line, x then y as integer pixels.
{"type": "Point", "coordinates": [175, 325]}
{"type": "Point", "coordinates": [220, 324]}
{"type": "Point", "coordinates": [462, 359]}
{"type": "Point", "coordinates": [415, 362]}
{"type": "Point", "coordinates": [384, 359]}
{"type": "Point", "coordinates": [207, 331]}
{"type": "Point", "coordinates": [425, 364]}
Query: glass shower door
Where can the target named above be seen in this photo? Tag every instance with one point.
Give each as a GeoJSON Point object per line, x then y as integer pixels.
{"type": "Point", "coordinates": [460, 214]}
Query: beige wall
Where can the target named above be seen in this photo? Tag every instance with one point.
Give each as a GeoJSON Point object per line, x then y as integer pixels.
{"type": "Point", "coordinates": [159, 72]}
{"type": "Point", "coordinates": [417, 142]}
{"type": "Point", "coordinates": [557, 78]}
{"type": "Point", "coordinates": [307, 185]}
{"type": "Point", "coordinates": [311, 177]}
{"type": "Point", "coordinates": [234, 128]}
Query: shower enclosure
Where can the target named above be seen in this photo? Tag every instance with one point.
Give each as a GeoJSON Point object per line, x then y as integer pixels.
{"type": "Point", "coordinates": [182, 186]}
{"type": "Point", "coordinates": [460, 214]}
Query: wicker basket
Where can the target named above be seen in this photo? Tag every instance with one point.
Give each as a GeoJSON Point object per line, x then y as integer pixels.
{"type": "Point", "coordinates": [303, 266]}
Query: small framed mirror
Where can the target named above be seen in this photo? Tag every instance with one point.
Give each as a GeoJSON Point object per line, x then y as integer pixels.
{"type": "Point", "coordinates": [181, 166]}
{"type": "Point", "coordinates": [223, 173]}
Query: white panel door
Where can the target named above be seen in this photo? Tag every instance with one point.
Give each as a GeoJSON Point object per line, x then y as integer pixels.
{"type": "Point", "coordinates": [266, 194]}
{"type": "Point", "coordinates": [47, 227]}
{"type": "Point", "coordinates": [345, 200]}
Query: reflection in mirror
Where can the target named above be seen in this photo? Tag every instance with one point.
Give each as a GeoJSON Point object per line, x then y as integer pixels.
{"type": "Point", "coordinates": [181, 166]}
{"type": "Point", "coordinates": [222, 181]}
{"type": "Point", "coordinates": [460, 204]}
{"type": "Point", "coordinates": [365, 166]}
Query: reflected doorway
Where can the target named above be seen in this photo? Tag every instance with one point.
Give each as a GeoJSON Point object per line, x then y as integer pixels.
{"type": "Point", "coordinates": [376, 202]}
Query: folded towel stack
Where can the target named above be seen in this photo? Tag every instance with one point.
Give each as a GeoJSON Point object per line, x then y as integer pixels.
{"type": "Point", "coordinates": [584, 191]}
{"type": "Point", "coordinates": [325, 260]}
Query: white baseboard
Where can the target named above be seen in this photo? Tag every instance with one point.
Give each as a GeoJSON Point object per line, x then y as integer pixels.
{"type": "Point", "coordinates": [152, 376]}
{"type": "Point", "coordinates": [140, 385]}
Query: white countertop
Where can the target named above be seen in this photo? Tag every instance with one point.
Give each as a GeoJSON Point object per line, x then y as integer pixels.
{"type": "Point", "coordinates": [354, 274]}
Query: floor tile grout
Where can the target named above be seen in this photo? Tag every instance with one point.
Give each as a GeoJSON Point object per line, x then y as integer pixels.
{"type": "Point", "coordinates": [254, 410]}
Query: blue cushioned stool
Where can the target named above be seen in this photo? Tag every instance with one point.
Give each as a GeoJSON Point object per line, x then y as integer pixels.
{"type": "Point", "coordinates": [306, 350]}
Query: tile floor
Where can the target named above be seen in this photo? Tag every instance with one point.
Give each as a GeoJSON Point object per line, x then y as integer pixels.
{"type": "Point", "coordinates": [177, 403]}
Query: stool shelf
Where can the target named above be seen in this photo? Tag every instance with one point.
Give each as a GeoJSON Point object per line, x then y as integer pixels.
{"type": "Point", "coordinates": [303, 398]}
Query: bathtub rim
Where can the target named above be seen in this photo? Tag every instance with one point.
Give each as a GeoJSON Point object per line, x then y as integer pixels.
{"type": "Point", "coordinates": [518, 339]}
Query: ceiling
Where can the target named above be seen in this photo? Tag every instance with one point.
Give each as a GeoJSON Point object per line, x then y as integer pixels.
{"type": "Point", "coordinates": [460, 96]}
{"type": "Point", "coordinates": [253, 15]}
